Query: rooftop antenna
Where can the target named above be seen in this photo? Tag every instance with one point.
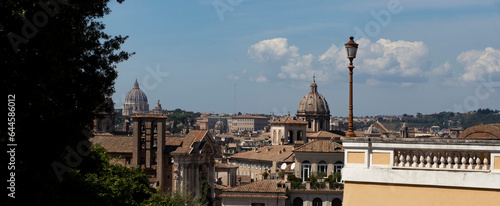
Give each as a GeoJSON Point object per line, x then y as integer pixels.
{"type": "Point", "coordinates": [235, 98]}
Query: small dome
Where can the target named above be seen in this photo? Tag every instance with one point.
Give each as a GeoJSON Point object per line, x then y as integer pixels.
{"type": "Point", "coordinates": [136, 95]}
{"type": "Point", "coordinates": [313, 102]}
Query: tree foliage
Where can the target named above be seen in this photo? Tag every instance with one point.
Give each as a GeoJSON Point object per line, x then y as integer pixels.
{"type": "Point", "coordinates": [59, 63]}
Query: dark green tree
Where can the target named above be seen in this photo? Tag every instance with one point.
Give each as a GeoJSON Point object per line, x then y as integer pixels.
{"type": "Point", "coordinates": [205, 194]}
{"type": "Point", "coordinates": [59, 63]}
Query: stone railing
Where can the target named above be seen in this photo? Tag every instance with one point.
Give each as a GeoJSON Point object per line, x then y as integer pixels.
{"type": "Point", "coordinates": [436, 159]}
{"type": "Point", "coordinates": [421, 153]}
{"type": "Point", "coordinates": [471, 163]}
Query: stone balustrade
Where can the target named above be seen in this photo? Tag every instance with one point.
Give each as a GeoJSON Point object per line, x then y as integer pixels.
{"type": "Point", "coordinates": [422, 153]}
{"type": "Point", "coordinates": [471, 163]}
{"type": "Point", "coordinates": [436, 159]}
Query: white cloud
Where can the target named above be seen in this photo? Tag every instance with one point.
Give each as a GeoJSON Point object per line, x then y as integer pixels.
{"type": "Point", "coordinates": [379, 60]}
{"type": "Point", "coordinates": [400, 58]}
{"type": "Point", "coordinates": [383, 58]}
{"type": "Point", "coordinates": [272, 49]}
{"type": "Point", "coordinates": [478, 63]}
{"type": "Point", "coordinates": [441, 70]}
{"type": "Point", "coordinates": [297, 68]}
{"type": "Point", "coordinates": [261, 79]}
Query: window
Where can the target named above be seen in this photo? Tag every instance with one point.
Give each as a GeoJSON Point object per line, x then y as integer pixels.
{"type": "Point", "coordinates": [298, 201]}
{"type": "Point", "coordinates": [322, 167]}
{"type": "Point", "coordinates": [338, 166]}
{"type": "Point", "coordinates": [258, 204]}
{"type": "Point", "coordinates": [306, 169]}
{"type": "Point", "coordinates": [336, 202]}
{"type": "Point", "coordinates": [317, 202]}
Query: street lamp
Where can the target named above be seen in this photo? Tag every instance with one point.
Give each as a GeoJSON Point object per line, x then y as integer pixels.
{"type": "Point", "coordinates": [352, 49]}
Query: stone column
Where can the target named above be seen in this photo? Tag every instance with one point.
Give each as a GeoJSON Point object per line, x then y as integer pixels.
{"type": "Point", "coordinates": [137, 142]}
{"type": "Point", "coordinates": [160, 148]}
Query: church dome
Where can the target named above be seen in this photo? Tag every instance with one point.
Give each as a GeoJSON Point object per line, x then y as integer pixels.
{"type": "Point", "coordinates": [135, 101]}
{"type": "Point", "coordinates": [136, 95]}
{"type": "Point", "coordinates": [313, 103]}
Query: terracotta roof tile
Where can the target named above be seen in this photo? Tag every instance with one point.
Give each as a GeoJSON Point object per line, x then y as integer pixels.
{"type": "Point", "coordinates": [322, 134]}
{"type": "Point", "coordinates": [264, 186]}
{"type": "Point", "coordinates": [268, 153]}
{"type": "Point", "coordinates": [124, 143]}
{"type": "Point", "coordinates": [288, 120]}
{"type": "Point", "coordinates": [321, 146]}
{"type": "Point", "coordinates": [224, 166]}
{"type": "Point", "coordinates": [187, 143]}
{"type": "Point", "coordinates": [114, 144]}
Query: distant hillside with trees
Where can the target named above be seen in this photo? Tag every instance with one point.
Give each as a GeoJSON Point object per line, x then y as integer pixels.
{"type": "Point", "coordinates": [443, 119]}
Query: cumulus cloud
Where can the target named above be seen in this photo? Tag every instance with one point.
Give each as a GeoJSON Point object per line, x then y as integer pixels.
{"type": "Point", "coordinates": [441, 70]}
{"type": "Point", "coordinates": [272, 49]}
{"type": "Point", "coordinates": [294, 65]}
{"type": "Point", "coordinates": [297, 68]}
{"type": "Point", "coordinates": [478, 63]}
{"type": "Point", "coordinates": [402, 63]}
{"type": "Point", "coordinates": [384, 57]}
{"type": "Point", "coordinates": [261, 79]}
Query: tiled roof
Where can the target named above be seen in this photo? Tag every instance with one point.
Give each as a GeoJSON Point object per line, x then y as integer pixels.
{"type": "Point", "coordinates": [264, 186]}
{"type": "Point", "coordinates": [114, 144]}
{"type": "Point", "coordinates": [187, 143]}
{"type": "Point", "coordinates": [320, 146]}
{"type": "Point", "coordinates": [267, 153]}
{"type": "Point", "coordinates": [288, 120]}
{"type": "Point", "coordinates": [124, 143]}
{"type": "Point", "coordinates": [482, 131]}
{"type": "Point", "coordinates": [322, 134]}
{"type": "Point", "coordinates": [224, 166]}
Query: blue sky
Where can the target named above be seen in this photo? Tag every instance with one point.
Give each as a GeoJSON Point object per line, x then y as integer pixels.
{"type": "Point", "coordinates": [414, 56]}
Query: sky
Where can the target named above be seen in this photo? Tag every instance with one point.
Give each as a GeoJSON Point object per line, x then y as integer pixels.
{"type": "Point", "coordinates": [257, 56]}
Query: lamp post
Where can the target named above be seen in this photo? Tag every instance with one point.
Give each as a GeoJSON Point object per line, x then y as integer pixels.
{"type": "Point", "coordinates": [351, 48]}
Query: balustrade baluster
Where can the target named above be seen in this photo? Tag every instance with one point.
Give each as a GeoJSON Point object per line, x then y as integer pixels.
{"type": "Point", "coordinates": [464, 161]}
{"type": "Point", "coordinates": [471, 162]}
{"type": "Point", "coordinates": [415, 159]}
{"type": "Point", "coordinates": [478, 162]}
{"type": "Point", "coordinates": [396, 158]}
{"type": "Point", "coordinates": [486, 163]}
{"type": "Point", "coordinates": [422, 159]}
{"type": "Point", "coordinates": [449, 160]}
{"type": "Point", "coordinates": [428, 160]}
{"type": "Point", "coordinates": [401, 159]}
{"type": "Point", "coordinates": [408, 159]}
{"type": "Point", "coordinates": [455, 160]}
{"type": "Point", "coordinates": [434, 161]}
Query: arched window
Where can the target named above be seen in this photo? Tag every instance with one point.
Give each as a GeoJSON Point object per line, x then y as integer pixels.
{"type": "Point", "coordinates": [322, 167]}
{"type": "Point", "coordinates": [317, 202]}
{"type": "Point", "coordinates": [299, 135]}
{"type": "Point", "coordinates": [338, 166]}
{"type": "Point", "coordinates": [290, 136]}
{"type": "Point", "coordinates": [306, 169]}
{"type": "Point", "coordinates": [298, 201]}
{"type": "Point", "coordinates": [336, 202]}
